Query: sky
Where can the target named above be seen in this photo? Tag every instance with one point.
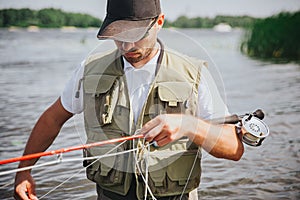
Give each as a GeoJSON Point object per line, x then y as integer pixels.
{"type": "Point", "coordinates": [171, 8]}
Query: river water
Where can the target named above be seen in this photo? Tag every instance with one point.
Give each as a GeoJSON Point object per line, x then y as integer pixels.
{"type": "Point", "coordinates": [36, 65]}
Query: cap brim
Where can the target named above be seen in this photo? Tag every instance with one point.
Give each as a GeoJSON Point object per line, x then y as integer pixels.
{"type": "Point", "coordinates": [124, 30]}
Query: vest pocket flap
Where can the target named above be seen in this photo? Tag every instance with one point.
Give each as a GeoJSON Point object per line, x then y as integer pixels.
{"type": "Point", "coordinates": [157, 172]}
{"type": "Point", "coordinates": [107, 162]}
{"type": "Point", "coordinates": [158, 177]}
{"type": "Point", "coordinates": [98, 84]}
{"type": "Point", "coordinates": [159, 161]}
{"type": "Point", "coordinates": [179, 172]}
{"type": "Point", "coordinates": [174, 92]}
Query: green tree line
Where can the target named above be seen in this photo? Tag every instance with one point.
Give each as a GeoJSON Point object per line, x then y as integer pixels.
{"type": "Point", "coordinates": [51, 17]}
{"type": "Point", "coordinates": [48, 18]}
{"type": "Point", "coordinates": [276, 38]}
{"type": "Point", "coordinates": [200, 22]}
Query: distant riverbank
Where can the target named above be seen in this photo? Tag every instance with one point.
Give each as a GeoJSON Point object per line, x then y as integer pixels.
{"type": "Point", "coordinates": [53, 18]}
{"type": "Point", "coordinates": [46, 18]}
{"type": "Point", "coordinates": [274, 38]}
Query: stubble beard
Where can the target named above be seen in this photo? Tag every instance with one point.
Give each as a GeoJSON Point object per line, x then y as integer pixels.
{"type": "Point", "coordinates": [140, 56]}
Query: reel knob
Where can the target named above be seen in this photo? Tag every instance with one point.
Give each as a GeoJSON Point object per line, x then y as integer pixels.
{"type": "Point", "coordinates": [259, 114]}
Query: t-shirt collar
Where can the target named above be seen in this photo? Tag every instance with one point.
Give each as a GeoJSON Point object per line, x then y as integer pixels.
{"type": "Point", "coordinates": [149, 66]}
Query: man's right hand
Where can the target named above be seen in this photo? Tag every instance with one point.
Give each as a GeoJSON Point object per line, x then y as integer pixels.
{"type": "Point", "coordinates": [24, 186]}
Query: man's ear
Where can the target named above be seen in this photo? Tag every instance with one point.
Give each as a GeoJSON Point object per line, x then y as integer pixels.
{"type": "Point", "coordinates": [161, 20]}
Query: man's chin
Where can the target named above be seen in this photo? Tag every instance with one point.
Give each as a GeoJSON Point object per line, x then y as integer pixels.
{"type": "Point", "coordinates": [133, 58]}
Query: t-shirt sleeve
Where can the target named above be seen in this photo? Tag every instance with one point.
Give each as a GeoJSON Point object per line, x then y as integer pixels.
{"type": "Point", "coordinates": [71, 103]}
{"type": "Point", "coordinates": [210, 103]}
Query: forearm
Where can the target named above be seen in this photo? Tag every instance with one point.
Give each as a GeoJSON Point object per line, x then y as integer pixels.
{"type": "Point", "coordinates": [45, 131]}
{"type": "Point", "coordinates": [40, 139]}
{"type": "Point", "coordinates": [220, 141]}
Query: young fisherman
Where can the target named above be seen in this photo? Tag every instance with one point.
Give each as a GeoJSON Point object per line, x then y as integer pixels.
{"type": "Point", "coordinates": [139, 86]}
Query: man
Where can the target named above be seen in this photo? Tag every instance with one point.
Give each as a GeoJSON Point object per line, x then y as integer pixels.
{"type": "Point", "coordinates": [139, 88]}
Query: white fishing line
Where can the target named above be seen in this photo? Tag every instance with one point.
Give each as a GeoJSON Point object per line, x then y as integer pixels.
{"type": "Point", "coordinates": [63, 161]}
{"type": "Point", "coordinates": [107, 153]}
{"type": "Point", "coordinates": [192, 168]}
{"type": "Point", "coordinates": [145, 179]}
{"type": "Point", "coordinates": [7, 184]}
{"type": "Point", "coordinates": [29, 167]}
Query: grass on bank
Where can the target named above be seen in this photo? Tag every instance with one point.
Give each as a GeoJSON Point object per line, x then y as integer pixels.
{"type": "Point", "coordinates": [275, 38]}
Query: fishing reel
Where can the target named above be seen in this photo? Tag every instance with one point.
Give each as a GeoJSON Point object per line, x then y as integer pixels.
{"type": "Point", "coordinates": [256, 129]}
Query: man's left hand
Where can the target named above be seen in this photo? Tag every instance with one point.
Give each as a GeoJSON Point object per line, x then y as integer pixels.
{"type": "Point", "coordinates": [168, 128]}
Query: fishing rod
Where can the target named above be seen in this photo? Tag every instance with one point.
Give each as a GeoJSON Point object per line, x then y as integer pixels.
{"type": "Point", "coordinates": [64, 150]}
{"type": "Point", "coordinates": [233, 119]}
{"type": "Point", "coordinates": [256, 132]}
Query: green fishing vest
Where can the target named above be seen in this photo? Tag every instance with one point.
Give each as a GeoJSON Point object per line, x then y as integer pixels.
{"type": "Point", "coordinates": [172, 169]}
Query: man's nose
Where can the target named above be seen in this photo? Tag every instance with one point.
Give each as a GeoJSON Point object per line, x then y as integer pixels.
{"type": "Point", "coordinates": [126, 46]}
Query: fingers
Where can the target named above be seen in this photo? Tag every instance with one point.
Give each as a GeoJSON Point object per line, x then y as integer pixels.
{"type": "Point", "coordinates": [25, 191]}
{"type": "Point", "coordinates": [161, 136]}
{"type": "Point", "coordinates": [31, 192]}
{"type": "Point", "coordinates": [164, 141]}
{"type": "Point", "coordinates": [163, 129]}
{"type": "Point", "coordinates": [152, 128]}
{"type": "Point", "coordinates": [21, 192]}
{"type": "Point", "coordinates": [24, 187]}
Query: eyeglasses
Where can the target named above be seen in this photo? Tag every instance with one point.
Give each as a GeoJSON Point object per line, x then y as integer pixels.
{"type": "Point", "coordinates": [149, 28]}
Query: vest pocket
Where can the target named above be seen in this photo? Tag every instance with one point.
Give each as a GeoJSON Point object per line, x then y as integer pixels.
{"type": "Point", "coordinates": [171, 175]}
{"type": "Point", "coordinates": [174, 92]}
{"type": "Point", "coordinates": [101, 93]}
{"type": "Point", "coordinates": [171, 97]}
{"type": "Point", "coordinates": [109, 170]}
{"type": "Point", "coordinates": [179, 174]}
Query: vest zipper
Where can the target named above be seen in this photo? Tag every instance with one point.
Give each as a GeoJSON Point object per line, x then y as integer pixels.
{"type": "Point", "coordinates": [78, 88]}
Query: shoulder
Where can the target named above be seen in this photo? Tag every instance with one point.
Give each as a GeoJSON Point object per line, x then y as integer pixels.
{"type": "Point", "coordinates": [102, 56]}
{"type": "Point", "coordinates": [106, 62]}
{"type": "Point", "coordinates": [173, 56]}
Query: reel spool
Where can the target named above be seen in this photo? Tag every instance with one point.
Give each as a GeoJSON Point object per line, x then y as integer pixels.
{"type": "Point", "coordinates": [256, 129]}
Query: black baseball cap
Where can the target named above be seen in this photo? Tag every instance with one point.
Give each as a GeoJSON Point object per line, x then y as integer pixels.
{"type": "Point", "coordinates": [128, 20]}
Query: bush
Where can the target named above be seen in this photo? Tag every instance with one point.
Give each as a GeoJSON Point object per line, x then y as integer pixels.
{"type": "Point", "coordinates": [276, 37]}
{"type": "Point", "coordinates": [49, 17]}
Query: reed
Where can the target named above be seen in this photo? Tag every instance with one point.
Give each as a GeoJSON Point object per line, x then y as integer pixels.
{"type": "Point", "coordinates": [274, 38]}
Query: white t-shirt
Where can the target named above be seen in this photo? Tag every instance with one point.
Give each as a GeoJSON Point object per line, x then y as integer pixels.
{"type": "Point", "coordinates": [210, 103]}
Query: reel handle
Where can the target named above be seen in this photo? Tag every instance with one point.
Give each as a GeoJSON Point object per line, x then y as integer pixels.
{"type": "Point", "coordinates": [233, 119]}
{"type": "Point", "coordinates": [259, 114]}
